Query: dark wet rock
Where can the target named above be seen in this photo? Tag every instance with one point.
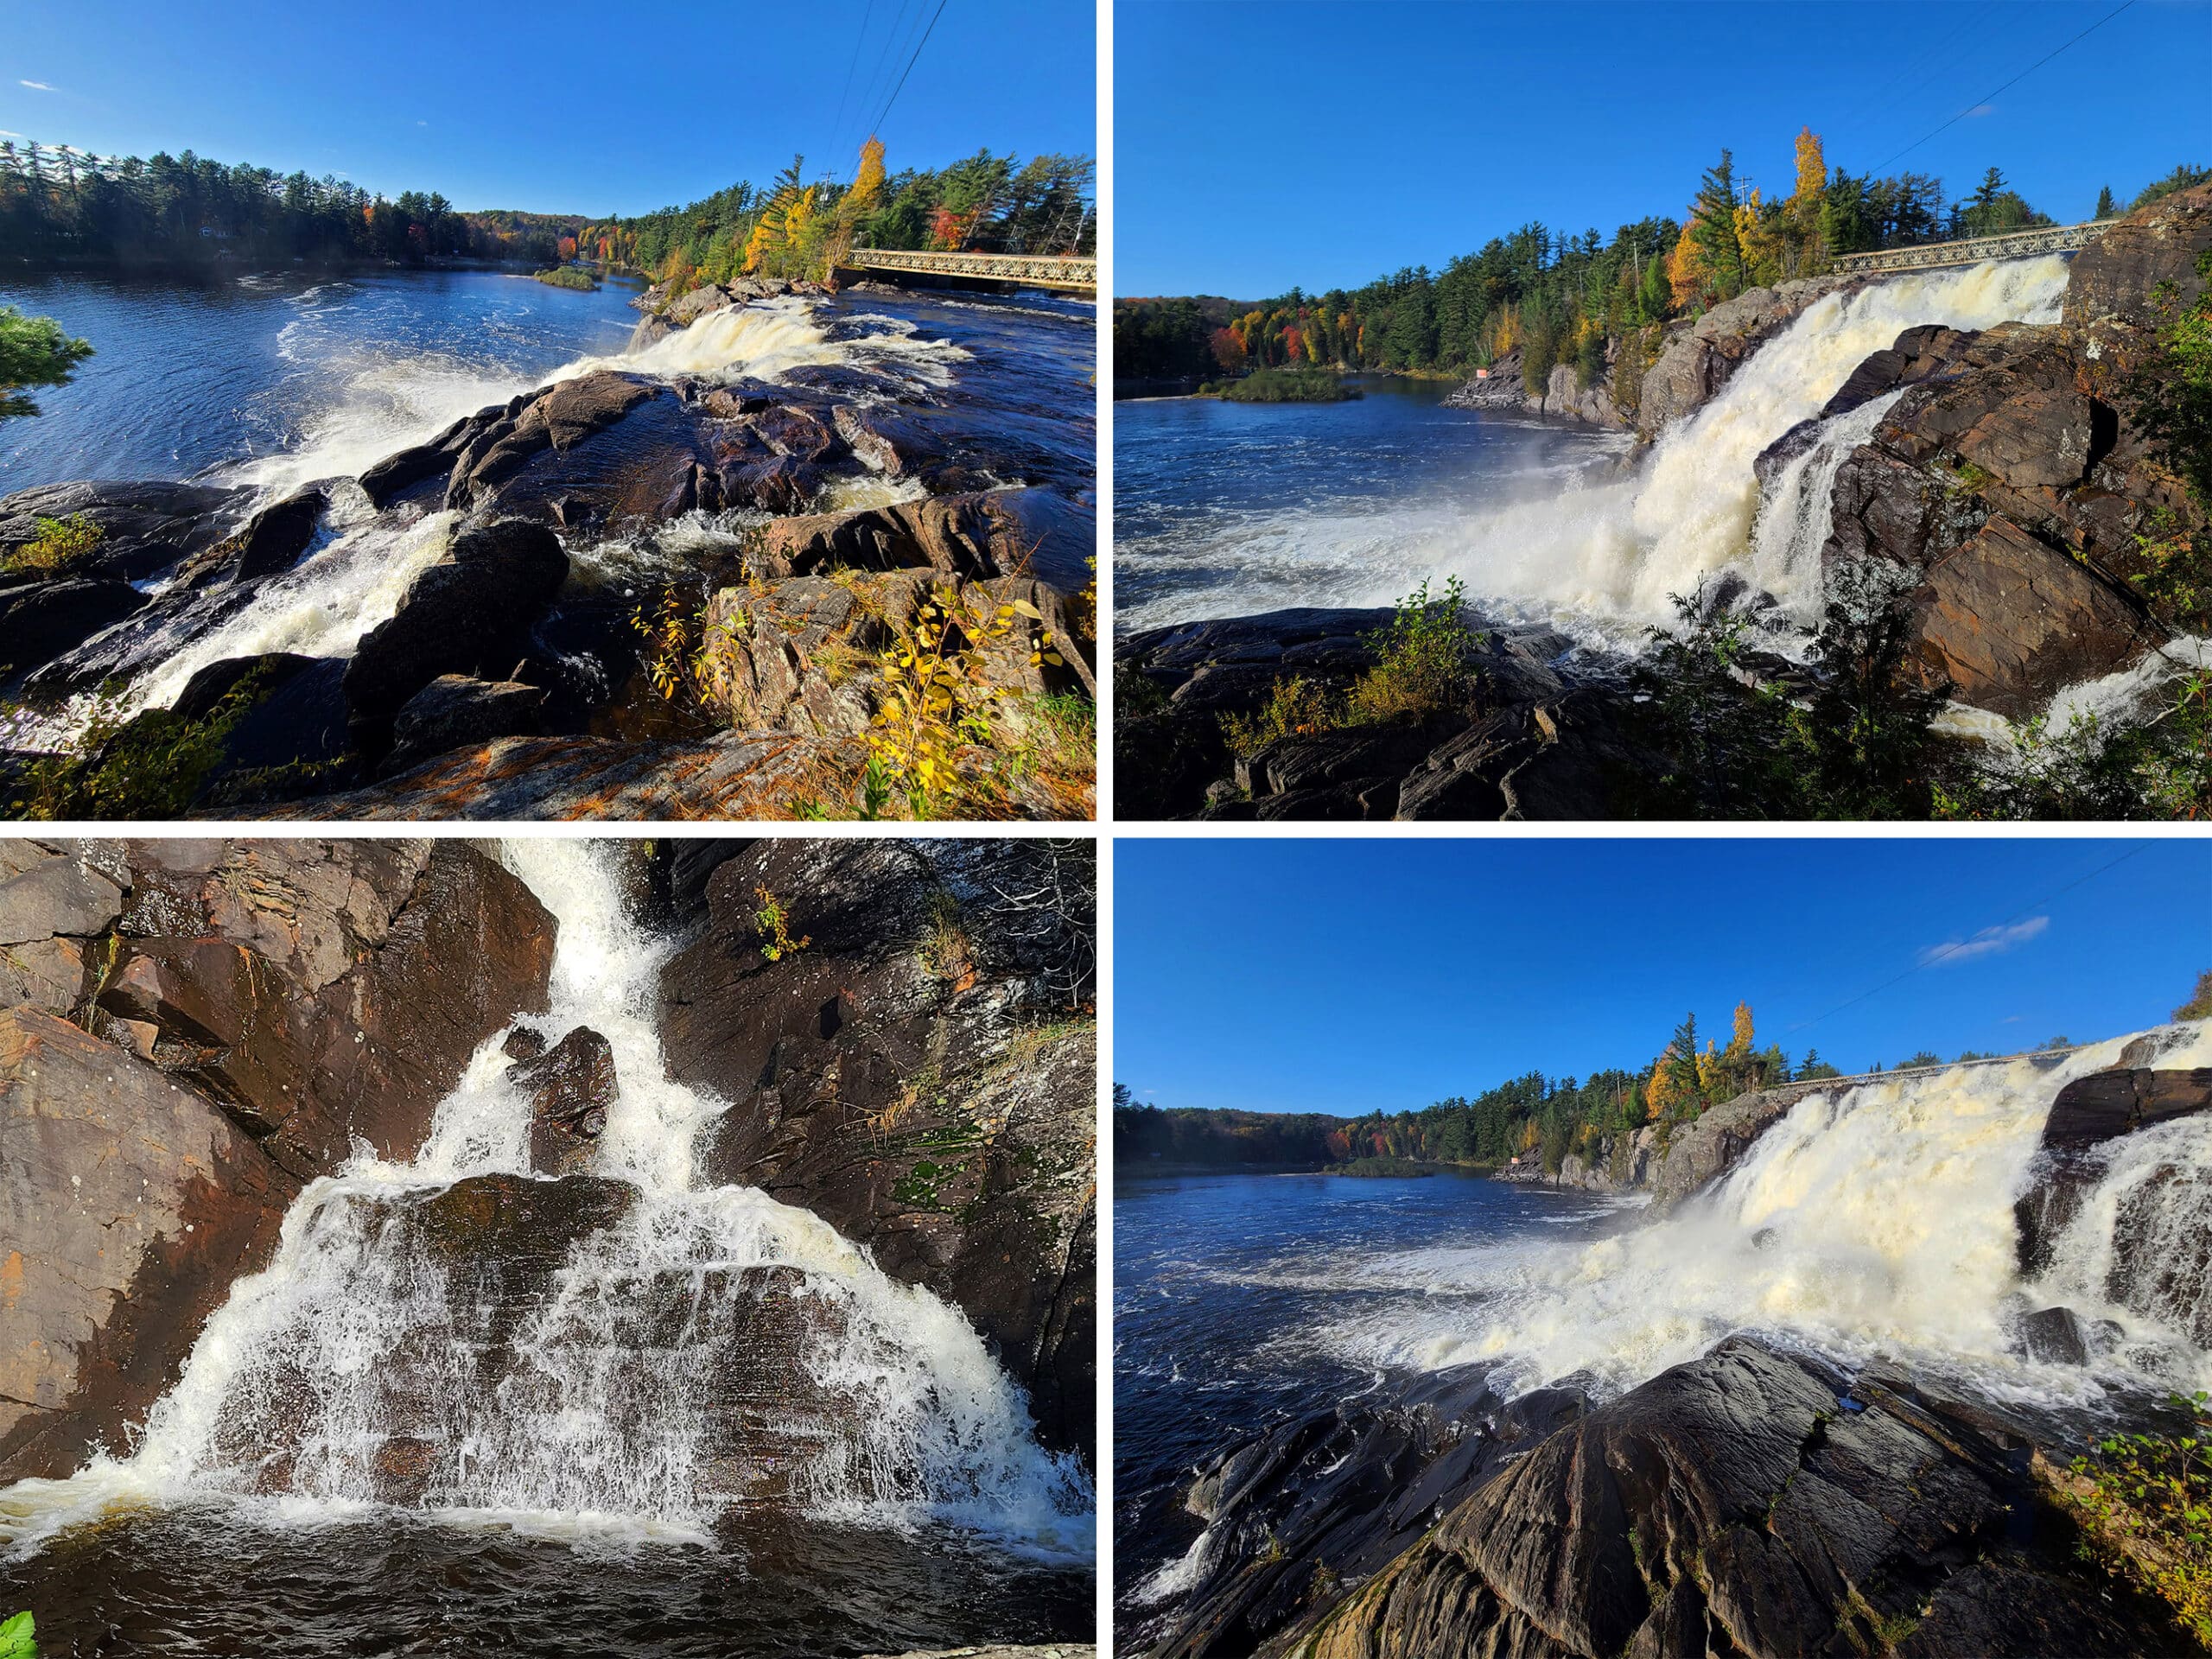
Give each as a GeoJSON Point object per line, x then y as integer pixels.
{"type": "Point", "coordinates": [399, 473]}
{"type": "Point", "coordinates": [523, 1043]}
{"type": "Point", "coordinates": [43, 620]}
{"type": "Point", "coordinates": [2089, 1114]}
{"type": "Point", "coordinates": [803, 432]}
{"type": "Point", "coordinates": [454, 711]}
{"type": "Point", "coordinates": [778, 484]}
{"type": "Point", "coordinates": [572, 1088]}
{"type": "Point", "coordinates": [260, 1004]}
{"type": "Point", "coordinates": [890, 442]}
{"type": "Point", "coordinates": [1001, 532]}
{"type": "Point", "coordinates": [2055, 1336]}
{"type": "Point", "coordinates": [1740, 1494]}
{"type": "Point", "coordinates": [544, 452]}
{"type": "Point", "coordinates": [145, 526]}
{"type": "Point", "coordinates": [269, 542]}
{"type": "Point", "coordinates": [1702, 358]}
{"type": "Point", "coordinates": [470, 615]}
{"type": "Point", "coordinates": [2142, 272]}
{"type": "Point", "coordinates": [738, 399]}
{"type": "Point", "coordinates": [1335, 1496]}
{"type": "Point", "coordinates": [919, 1073]}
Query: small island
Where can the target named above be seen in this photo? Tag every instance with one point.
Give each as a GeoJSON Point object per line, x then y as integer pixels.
{"type": "Point", "coordinates": [1282, 387]}
{"type": "Point", "coordinates": [569, 277]}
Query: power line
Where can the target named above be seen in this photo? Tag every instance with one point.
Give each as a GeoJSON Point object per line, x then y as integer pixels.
{"type": "Point", "coordinates": [837, 123]}
{"type": "Point", "coordinates": [1950, 949]}
{"type": "Point", "coordinates": [931, 29]}
{"type": "Point", "coordinates": [2009, 85]}
{"type": "Point", "coordinates": [878, 77]}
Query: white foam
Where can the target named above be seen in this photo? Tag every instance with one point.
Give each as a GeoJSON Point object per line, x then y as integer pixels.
{"type": "Point", "coordinates": [1875, 1219]}
{"type": "Point", "coordinates": [313, 1364]}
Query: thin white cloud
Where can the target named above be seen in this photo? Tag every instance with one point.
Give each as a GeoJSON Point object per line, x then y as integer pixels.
{"type": "Point", "coordinates": [37, 85]}
{"type": "Point", "coordinates": [422, 123]}
{"type": "Point", "coordinates": [1982, 109]}
{"type": "Point", "coordinates": [1987, 942]}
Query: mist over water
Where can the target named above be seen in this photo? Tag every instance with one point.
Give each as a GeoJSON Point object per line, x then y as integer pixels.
{"type": "Point", "coordinates": [1874, 1221]}
{"type": "Point", "coordinates": [1541, 527]}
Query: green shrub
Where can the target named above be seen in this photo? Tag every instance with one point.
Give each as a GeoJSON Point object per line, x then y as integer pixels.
{"type": "Point", "coordinates": [2145, 1502]}
{"type": "Point", "coordinates": [152, 764]}
{"type": "Point", "coordinates": [19, 1637]}
{"type": "Point", "coordinates": [1296, 707]}
{"type": "Point", "coordinates": [59, 543]}
{"type": "Point", "coordinates": [1423, 669]}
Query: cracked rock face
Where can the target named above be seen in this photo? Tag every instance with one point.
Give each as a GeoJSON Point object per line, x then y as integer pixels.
{"type": "Point", "coordinates": [918, 1072]}
{"type": "Point", "coordinates": [190, 1030]}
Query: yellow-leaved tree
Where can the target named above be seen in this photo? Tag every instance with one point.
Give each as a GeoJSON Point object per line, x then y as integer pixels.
{"type": "Point", "coordinates": [1805, 203]}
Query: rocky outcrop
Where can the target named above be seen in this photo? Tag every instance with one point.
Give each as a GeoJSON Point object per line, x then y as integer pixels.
{"type": "Point", "coordinates": [2142, 272]}
{"type": "Point", "coordinates": [40, 620]}
{"type": "Point", "coordinates": [905, 1036]}
{"type": "Point", "coordinates": [1697, 361]}
{"type": "Point", "coordinates": [1539, 744]}
{"type": "Point", "coordinates": [1502, 386]}
{"type": "Point", "coordinates": [456, 710]}
{"type": "Point", "coordinates": [1671, 1163]}
{"type": "Point", "coordinates": [1754, 1503]}
{"type": "Point", "coordinates": [269, 542]}
{"type": "Point", "coordinates": [470, 615]}
{"type": "Point", "coordinates": [144, 526]}
{"type": "Point", "coordinates": [198, 1028]}
{"type": "Point", "coordinates": [2090, 1115]}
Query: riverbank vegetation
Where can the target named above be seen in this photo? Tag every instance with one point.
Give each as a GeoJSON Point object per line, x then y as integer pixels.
{"type": "Point", "coordinates": [62, 207]}
{"type": "Point", "coordinates": [1558, 297]}
{"type": "Point", "coordinates": [569, 277]}
{"type": "Point", "coordinates": [1422, 669]}
{"type": "Point", "coordinates": [1306, 385]}
{"type": "Point", "coordinates": [2144, 1504]}
{"type": "Point", "coordinates": [794, 228]}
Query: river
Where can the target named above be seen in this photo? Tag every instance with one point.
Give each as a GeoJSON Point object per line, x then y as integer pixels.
{"type": "Point", "coordinates": [1872, 1222]}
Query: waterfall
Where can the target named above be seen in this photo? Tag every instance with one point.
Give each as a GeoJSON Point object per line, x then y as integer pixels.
{"type": "Point", "coordinates": [628, 1351]}
{"type": "Point", "coordinates": [1613, 554]}
{"type": "Point", "coordinates": [1875, 1219]}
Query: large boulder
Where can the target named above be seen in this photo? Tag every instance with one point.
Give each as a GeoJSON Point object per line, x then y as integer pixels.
{"type": "Point", "coordinates": [456, 710]}
{"type": "Point", "coordinates": [1699, 1153]}
{"type": "Point", "coordinates": [2091, 1115]}
{"type": "Point", "coordinates": [914, 1060]}
{"type": "Point", "coordinates": [471, 614]}
{"type": "Point", "coordinates": [572, 1088]}
{"type": "Point", "coordinates": [242, 1013]}
{"type": "Point", "coordinates": [269, 542]}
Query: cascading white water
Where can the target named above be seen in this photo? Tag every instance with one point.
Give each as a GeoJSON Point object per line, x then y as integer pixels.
{"type": "Point", "coordinates": [1874, 1219]}
{"type": "Point", "coordinates": [606, 1403]}
{"type": "Point", "coordinates": [1616, 553]}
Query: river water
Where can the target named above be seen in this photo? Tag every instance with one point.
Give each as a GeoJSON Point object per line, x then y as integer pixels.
{"type": "Point", "coordinates": [1874, 1221]}
{"type": "Point", "coordinates": [717, 1428]}
{"type": "Point", "coordinates": [278, 379]}
{"type": "Point", "coordinates": [1225, 509]}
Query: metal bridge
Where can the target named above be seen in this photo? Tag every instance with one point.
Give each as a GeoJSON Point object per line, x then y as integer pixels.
{"type": "Point", "coordinates": [1065, 274]}
{"type": "Point", "coordinates": [1974, 250]}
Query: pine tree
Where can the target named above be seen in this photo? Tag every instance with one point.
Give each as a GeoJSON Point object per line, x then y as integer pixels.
{"type": "Point", "coordinates": [1713, 227]}
{"type": "Point", "coordinates": [2107, 208]}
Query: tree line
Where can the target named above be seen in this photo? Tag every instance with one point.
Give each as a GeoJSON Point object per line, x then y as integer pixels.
{"type": "Point", "coordinates": [62, 207]}
{"type": "Point", "coordinates": [1534, 1115]}
{"type": "Point", "coordinates": [988, 203]}
{"type": "Point", "coordinates": [1587, 302]}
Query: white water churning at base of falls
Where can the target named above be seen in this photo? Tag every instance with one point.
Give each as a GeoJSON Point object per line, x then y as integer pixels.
{"type": "Point", "coordinates": [624, 1353]}
{"type": "Point", "coordinates": [1875, 1219]}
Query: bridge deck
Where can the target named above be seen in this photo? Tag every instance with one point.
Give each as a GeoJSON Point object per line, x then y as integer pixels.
{"type": "Point", "coordinates": [1974, 250]}
{"type": "Point", "coordinates": [1064, 272]}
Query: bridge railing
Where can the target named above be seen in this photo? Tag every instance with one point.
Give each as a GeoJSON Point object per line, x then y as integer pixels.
{"type": "Point", "coordinates": [1978, 250]}
{"type": "Point", "coordinates": [1032, 270]}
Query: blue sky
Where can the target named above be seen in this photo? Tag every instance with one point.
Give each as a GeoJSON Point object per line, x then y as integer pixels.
{"type": "Point", "coordinates": [1259, 146]}
{"type": "Point", "coordinates": [1341, 976]}
{"type": "Point", "coordinates": [550, 106]}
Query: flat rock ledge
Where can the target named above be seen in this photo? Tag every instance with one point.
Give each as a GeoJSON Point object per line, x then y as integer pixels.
{"type": "Point", "coordinates": [1055, 1651]}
